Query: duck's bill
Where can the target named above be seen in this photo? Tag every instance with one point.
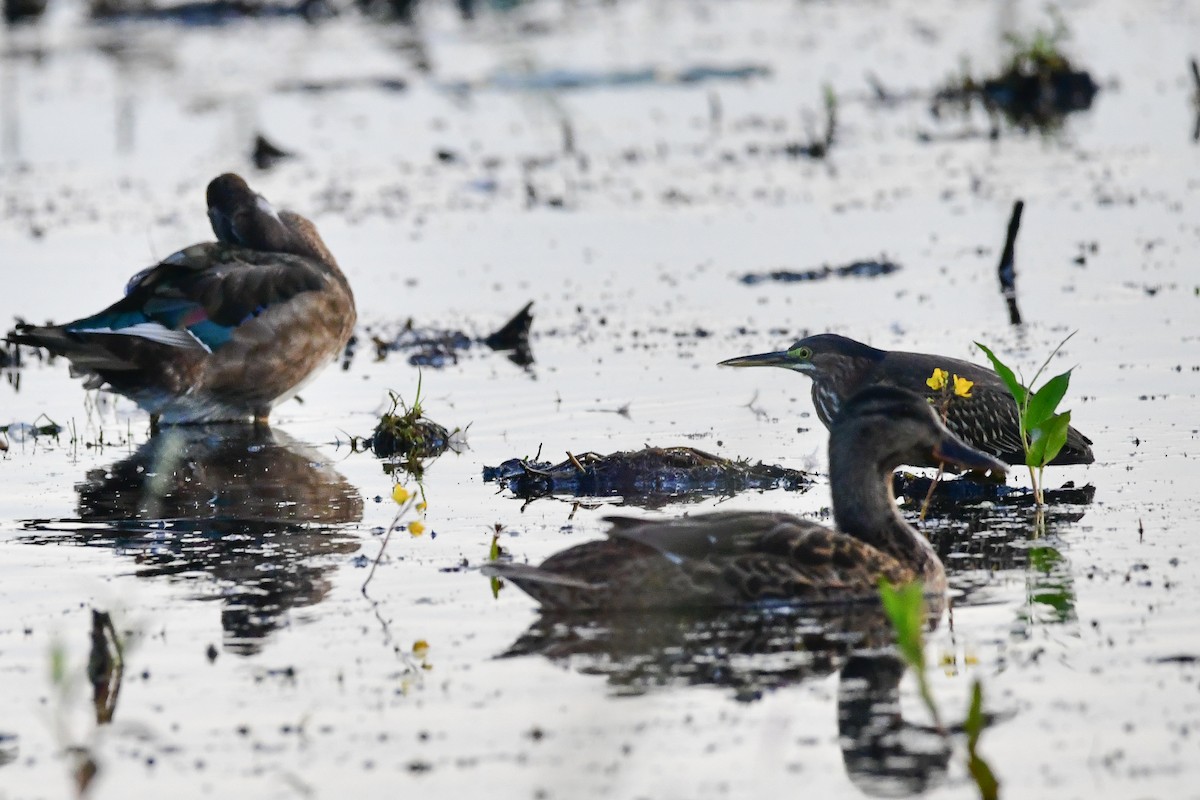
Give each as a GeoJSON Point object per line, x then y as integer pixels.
{"type": "Point", "coordinates": [954, 451]}
{"type": "Point", "coordinates": [779, 359]}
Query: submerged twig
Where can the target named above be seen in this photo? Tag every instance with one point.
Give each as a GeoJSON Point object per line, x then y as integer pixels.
{"type": "Point", "coordinates": [1007, 269]}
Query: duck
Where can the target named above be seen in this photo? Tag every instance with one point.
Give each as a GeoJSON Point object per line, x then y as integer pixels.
{"type": "Point", "coordinates": [987, 419]}
{"type": "Point", "coordinates": [220, 331]}
{"type": "Point", "coordinates": [767, 558]}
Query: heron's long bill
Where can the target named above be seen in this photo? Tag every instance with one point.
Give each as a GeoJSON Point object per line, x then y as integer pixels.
{"type": "Point", "coordinates": [777, 359]}
{"type": "Point", "coordinates": [955, 451]}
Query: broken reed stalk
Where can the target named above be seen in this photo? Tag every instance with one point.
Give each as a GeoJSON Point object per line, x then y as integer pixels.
{"type": "Point", "coordinates": [1007, 268]}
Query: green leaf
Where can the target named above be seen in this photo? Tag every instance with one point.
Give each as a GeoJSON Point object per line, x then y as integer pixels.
{"type": "Point", "coordinates": [981, 773]}
{"type": "Point", "coordinates": [905, 607]}
{"type": "Point", "coordinates": [1010, 380]}
{"type": "Point", "coordinates": [1047, 439]}
{"type": "Point", "coordinates": [1045, 400]}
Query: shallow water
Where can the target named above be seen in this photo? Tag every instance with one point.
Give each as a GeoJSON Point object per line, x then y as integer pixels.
{"type": "Point", "coordinates": [1086, 642]}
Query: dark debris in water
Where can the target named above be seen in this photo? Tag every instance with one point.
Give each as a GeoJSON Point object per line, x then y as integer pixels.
{"type": "Point", "coordinates": [950, 493]}
{"type": "Point", "coordinates": [869, 268]}
{"type": "Point", "coordinates": [267, 154]}
{"type": "Point", "coordinates": [382, 83]}
{"type": "Point", "coordinates": [1036, 88]}
{"type": "Point", "coordinates": [577, 79]}
{"type": "Point", "coordinates": [206, 13]}
{"type": "Point", "coordinates": [650, 472]}
{"type": "Point", "coordinates": [436, 348]}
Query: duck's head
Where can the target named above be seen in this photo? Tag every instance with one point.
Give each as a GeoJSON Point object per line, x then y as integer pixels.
{"type": "Point", "coordinates": [232, 205]}
{"type": "Point", "coordinates": [889, 427]}
{"type": "Point", "coordinates": [242, 217]}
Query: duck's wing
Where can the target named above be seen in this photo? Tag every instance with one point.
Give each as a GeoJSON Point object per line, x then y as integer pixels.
{"type": "Point", "coordinates": [767, 557]}
{"type": "Point", "coordinates": [198, 297]}
{"type": "Point", "coordinates": [722, 533]}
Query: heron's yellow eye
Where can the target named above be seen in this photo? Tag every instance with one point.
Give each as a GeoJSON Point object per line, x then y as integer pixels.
{"type": "Point", "coordinates": [802, 353]}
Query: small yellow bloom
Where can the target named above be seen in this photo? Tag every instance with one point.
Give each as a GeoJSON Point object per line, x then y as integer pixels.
{"type": "Point", "coordinates": [420, 648]}
{"type": "Point", "coordinates": [962, 386]}
{"type": "Point", "coordinates": [416, 528]}
{"type": "Point", "coordinates": [937, 381]}
{"type": "Point", "coordinates": [399, 494]}
{"type": "Point", "coordinates": [422, 506]}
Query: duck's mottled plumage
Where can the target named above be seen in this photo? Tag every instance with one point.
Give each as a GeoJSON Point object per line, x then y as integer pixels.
{"type": "Point", "coordinates": [219, 331]}
{"type": "Point", "coordinates": [751, 558]}
{"type": "Point", "coordinates": [839, 367]}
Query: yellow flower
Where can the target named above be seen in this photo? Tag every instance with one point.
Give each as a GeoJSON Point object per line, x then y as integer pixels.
{"type": "Point", "coordinates": [416, 528]}
{"type": "Point", "coordinates": [937, 381]}
{"type": "Point", "coordinates": [422, 506]}
{"type": "Point", "coordinates": [420, 648]}
{"type": "Point", "coordinates": [962, 386]}
{"type": "Point", "coordinates": [399, 494]}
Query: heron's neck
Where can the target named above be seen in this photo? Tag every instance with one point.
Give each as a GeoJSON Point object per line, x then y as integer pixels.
{"type": "Point", "coordinates": [864, 506]}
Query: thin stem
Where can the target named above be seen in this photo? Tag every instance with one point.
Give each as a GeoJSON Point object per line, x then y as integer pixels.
{"type": "Point", "coordinates": [1053, 353]}
{"type": "Point", "coordinates": [929, 495]}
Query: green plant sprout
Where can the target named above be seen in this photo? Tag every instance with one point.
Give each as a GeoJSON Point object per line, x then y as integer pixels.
{"type": "Point", "coordinates": [1043, 427]}
{"type": "Point", "coordinates": [981, 772]}
{"type": "Point", "coordinates": [905, 609]}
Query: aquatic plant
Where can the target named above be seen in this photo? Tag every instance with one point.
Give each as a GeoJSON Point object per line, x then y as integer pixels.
{"type": "Point", "coordinates": [407, 501]}
{"type": "Point", "coordinates": [949, 387]}
{"type": "Point", "coordinates": [1043, 428]}
{"type": "Point", "coordinates": [403, 431]}
{"type": "Point", "coordinates": [905, 610]}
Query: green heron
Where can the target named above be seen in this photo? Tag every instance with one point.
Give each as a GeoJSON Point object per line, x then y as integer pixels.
{"type": "Point", "coordinates": [220, 331]}
{"type": "Point", "coordinates": [737, 558]}
{"type": "Point", "coordinates": [839, 367]}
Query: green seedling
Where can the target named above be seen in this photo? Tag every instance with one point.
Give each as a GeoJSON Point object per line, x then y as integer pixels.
{"type": "Point", "coordinates": [1043, 426]}
{"type": "Point", "coordinates": [905, 609]}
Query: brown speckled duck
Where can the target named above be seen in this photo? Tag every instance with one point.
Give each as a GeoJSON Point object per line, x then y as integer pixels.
{"type": "Point", "coordinates": [736, 558]}
{"type": "Point", "coordinates": [220, 331]}
{"type": "Point", "coordinates": [840, 366]}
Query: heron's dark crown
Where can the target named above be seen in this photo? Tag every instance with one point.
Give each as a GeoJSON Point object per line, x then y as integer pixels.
{"type": "Point", "coordinates": [840, 345]}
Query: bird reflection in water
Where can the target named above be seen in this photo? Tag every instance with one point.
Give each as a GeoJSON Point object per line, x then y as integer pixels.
{"type": "Point", "coordinates": [246, 508]}
{"type": "Point", "coordinates": [753, 652]}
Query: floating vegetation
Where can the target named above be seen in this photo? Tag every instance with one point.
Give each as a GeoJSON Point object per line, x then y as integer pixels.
{"type": "Point", "coordinates": [649, 472]}
{"type": "Point", "coordinates": [1037, 86]}
{"type": "Point", "coordinates": [406, 436]}
{"type": "Point", "coordinates": [869, 268]}
{"type": "Point", "coordinates": [23, 431]}
{"type": "Point", "coordinates": [432, 347]}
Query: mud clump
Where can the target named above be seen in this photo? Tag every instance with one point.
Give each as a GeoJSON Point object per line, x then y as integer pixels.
{"type": "Point", "coordinates": [647, 473]}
